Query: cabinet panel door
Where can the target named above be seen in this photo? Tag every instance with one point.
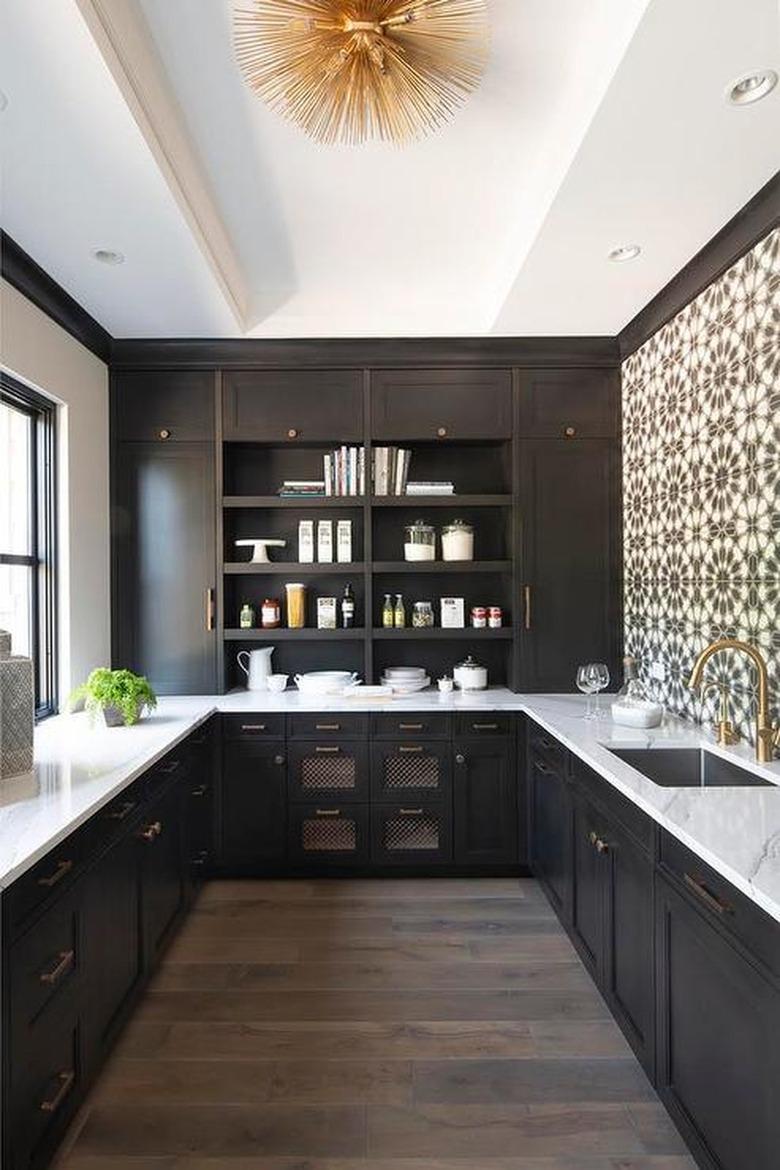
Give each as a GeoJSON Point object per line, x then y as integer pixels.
{"type": "Point", "coordinates": [589, 873]}
{"type": "Point", "coordinates": [411, 771]}
{"type": "Point", "coordinates": [629, 978]}
{"type": "Point", "coordinates": [165, 563]}
{"type": "Point", "coordinates": [571, 560]}
{"type": "Point", "coordinates": [290, 405]}
{"type": "Point", "coordinates": [485, 809]}
{"type": "Point", "coordinates": [551, 832]}
{"type": "Point", "coordinates": [146, 402]}
{"type": "Point", "coordinates": [254, 803]}
{"type": "Point", "coordinates": [421, 404]}
{"type": "Point", "coordinates": [718, 1023]}
{"type": "Point", "coordinates": [162, 872]}
{"type": "Point", "coordinates": [557, 404]}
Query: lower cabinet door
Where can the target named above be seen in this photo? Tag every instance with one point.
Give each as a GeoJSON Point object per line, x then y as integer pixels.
{"type": "Point", "coordinates": [45, 1086]}
{"type": "Point", "coordinates": [551, 820]}
{"type": "Point", "coordinates": [163, 875]}
{"type": "Point", "coordinates": [328, 771]}
{"type": "Point", "coordinates": [485, 805]}
{"type": "Point", "coordinates": [589, 877]}
{"type": "Point", "coordinates": [253, 803]}
{"type": "Point", "coordinates": [413, 771]}
{"type": "Point", "coordinates": [718, 1055]}
{"type": "Point", "coordinates": [403, 834]}
{"type": "Point", "coordinates": [328, 835]}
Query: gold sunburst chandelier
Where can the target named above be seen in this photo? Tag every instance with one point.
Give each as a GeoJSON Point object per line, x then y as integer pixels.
{"type": "Point", "coordinates": [353, 70]}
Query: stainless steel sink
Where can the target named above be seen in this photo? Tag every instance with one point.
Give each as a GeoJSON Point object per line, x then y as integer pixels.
{"type": "Point", "coordinates": [688, 768]}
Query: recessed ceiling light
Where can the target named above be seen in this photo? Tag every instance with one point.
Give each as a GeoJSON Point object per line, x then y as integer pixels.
{"type": "Point", "coordinates": [751, 87]}
{"type": "Point", "coordinates": [108, 256]}
{"type": "Point", "coordinates": [625, 252]}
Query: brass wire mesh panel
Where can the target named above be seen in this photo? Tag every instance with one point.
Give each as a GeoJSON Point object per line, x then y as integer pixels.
{"type": "Point", "coordinates": [328, 774]}
{"type": "Point", "coordinates": [328, 835]}
{"type": "Point", "coordinates": [405, 833]}
{"type": "Point", "coordinates": [408, 772]}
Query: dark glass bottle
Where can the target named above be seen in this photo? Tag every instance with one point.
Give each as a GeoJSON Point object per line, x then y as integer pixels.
{"type": "Point", "coordinates": [348, 608]}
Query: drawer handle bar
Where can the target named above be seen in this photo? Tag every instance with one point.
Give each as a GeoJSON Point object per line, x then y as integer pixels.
{"type": "Point", "coordinates": [411, 812]}
{"type": "Point", "coordinates": [65, 1082]}
{"type": "Point", "coordinates": [328, 812]}
{"type": "Point", "coordinates": [327, 727]}
{"type": "Point", "coordinates": [171, 768]}
{"type": "Point", "coordinates": [201, 790]}
{"type": "Point", "coordinates": [62, 870]}
{"type": "Point", "coordinates": [485, 726]}
{"type": "Point", "coordinates": [151, 832]}
{"type": "Point", "coordinates": [540, 767]}
{"type": "Point", "coordinates": [64, 963]}
{"type": "Point", "coordinates": [327, 751]}
{"type": "Point", "coordinates": [407, 750]}
{"type": "Point", "coordinates": [598, 844]}
{"type": "Point", "coordinates": [124, 811]}
{"type": "Point", "coordinates": [253, 726]}
{"type": "Point", "coordinates": [410, 726]}
{"type": "Point", "coordinates": [706, 896]}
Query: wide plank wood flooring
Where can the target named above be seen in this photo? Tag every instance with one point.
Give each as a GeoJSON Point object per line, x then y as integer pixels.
{"type": "Point", "coordinates": [372, 1025]}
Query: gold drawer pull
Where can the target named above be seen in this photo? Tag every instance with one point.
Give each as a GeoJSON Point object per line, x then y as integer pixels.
{"type": "Point", "coordinates": [706, 896]}
{"type": "Point", "coordinates": [328, 812]}
{"type": "Point", "coordinates": [410, 726]}
{"type": "Point", "coordinates": [327, 727]}
{"type": "Point", "coordinates": [65, 961]}
{"type": "Point", "coordinates": [407, 750]}
{"type": "Point", "coordinates": [485, 726]}
{"type": "Point", "coordinates": [201, 790]}
{"type": "Point", "coordinates": [326, 751]}
{"type": "Point", "coordinates": [253, 726]}
{"type": "Point", "coordinates": [65, 1082]}
{"type": "Point", "coordinates": [598, 844]}
{"type": "Point", "coordinates": [150, 833]}
{"type": "Point", "coordinates": [171, 768]}
{"type": "Point", "coordinates": [410, 812]}
{"type": "Point", "coordinates": [123, 811]}
{"type": "Point", "coordinates": [63, 868]}
{"type": "Point", "coordinates": [527, 606]}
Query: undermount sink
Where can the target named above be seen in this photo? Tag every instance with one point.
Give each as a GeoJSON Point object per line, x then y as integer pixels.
{"type": "Point", "coordinates": [688, 768]}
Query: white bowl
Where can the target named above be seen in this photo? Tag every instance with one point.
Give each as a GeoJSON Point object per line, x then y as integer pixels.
{"type": "Point", "coordinates": [405, 672]}
{"type": "Point", "coordinates": [325, 682]}
{"type": "Point", "coordinates": [406, 686]}
{"type": "Point", "coordinates": [277, 682]}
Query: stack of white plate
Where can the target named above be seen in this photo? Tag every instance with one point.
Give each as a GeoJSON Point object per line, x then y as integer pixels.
{"type": "Point", "coordinates": [405, 679]}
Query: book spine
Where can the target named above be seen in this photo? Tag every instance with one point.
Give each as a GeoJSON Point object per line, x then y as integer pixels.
{"type": "Point", "coordinates": [328, 477]}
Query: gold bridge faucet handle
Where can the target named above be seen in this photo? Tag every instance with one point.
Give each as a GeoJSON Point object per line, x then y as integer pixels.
{"type": "Point", "coordinates": [726, 732]}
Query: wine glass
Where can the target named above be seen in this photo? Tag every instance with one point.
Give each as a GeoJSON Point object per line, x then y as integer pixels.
{"type": "Point", "coordinates": [586, 685]}
{"type": "Point", "coordinates": [598, 673]}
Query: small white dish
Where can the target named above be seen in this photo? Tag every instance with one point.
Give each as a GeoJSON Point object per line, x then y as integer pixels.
{"type": "Point", "coordinates": [406, 686]}
{"type": "Point", "coordinates": [277, 682]}
{"type": "Point", "coordinates": [446, 685]}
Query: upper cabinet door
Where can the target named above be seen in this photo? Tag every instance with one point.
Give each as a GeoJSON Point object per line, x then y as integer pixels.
{"type": "Point", "coordinates": [569, 404]}
{"type": "Point", "coordinates": [167, 405]}
{"type": "Point", "coordinates": [288, 405]}
{"type": "Point", "coordinates": [441, 404]}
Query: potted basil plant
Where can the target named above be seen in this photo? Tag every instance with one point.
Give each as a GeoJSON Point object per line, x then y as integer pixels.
{"type": "Point", "coordinates": [120, 695]}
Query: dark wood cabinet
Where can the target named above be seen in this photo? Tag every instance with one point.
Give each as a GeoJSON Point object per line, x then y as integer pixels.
{"type": "Point", "coordinates": [570, 566]}
{"type": "Point", "coordinates": [569, 404]}
{"type": "Point", "coordinates": [588, 870]}
{"type": "Point", "coordinates": [441, 404]}
{"type": "Point", "coordinates": [199, 804]}
{"type": "Point", "coordinates": [165, 565]}
{"type": "Point", "coordinates": [168, 405]}
{"type": "Point", "coordinates": [253, 803]}
{"type": "Point", "coordinates": [163, 879]}
{"type": "Point", "coordinates": [280, 406]}
{"type": "Point", "coordinates": [485, 813]}
{"type": "Point", "coordinates": [550, 814]}
{"type": "Point", "coordinates": [718, 1024]}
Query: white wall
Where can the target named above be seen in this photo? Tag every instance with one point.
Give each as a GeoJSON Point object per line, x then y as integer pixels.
{"type": "Point", "coordinates": [36, 350]}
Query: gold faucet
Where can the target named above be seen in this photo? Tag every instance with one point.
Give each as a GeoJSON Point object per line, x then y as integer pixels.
{"type": "Point", "coordinates": [767, 736]}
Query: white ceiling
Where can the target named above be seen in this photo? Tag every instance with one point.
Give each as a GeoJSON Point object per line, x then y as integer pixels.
{"type": "Point", "coordinates": [597, 124]}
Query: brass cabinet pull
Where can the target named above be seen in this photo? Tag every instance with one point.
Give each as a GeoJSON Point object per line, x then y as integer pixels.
{"type": "Point", "coordinates": [410, 812]}
{"type": "Point", "coordinates": [707, 897]}
{"type": "Point", "coordinates": [278, 760]}
{"type": "Point", "coordinates": [327, 727]}
{"type": "Point", "coordinates": [410, 726]}
{"type": "Point", "coordinates": [65, 1082]}
{"type": "Point", "coordinates": [169, 769]}
{"type": "Point", "coordinates": [485, 726]}
{"type": "Point", "coordinates": [123, 811]}
{"type": "Point", "coordinates": [327, 751]}
{"type": "Point", "coordinates": [569, 432]}
{"type": "Point", "coordinates": [441, 432]}
{"type": "Point", "coordinates": [164, 433]}
{"type": "Point", "coordinates": [201, 790]}
{"type": "Point", "coordinates": [328, 812]}
{"type": "Point", "coordinates": [201, 858]}
{"type": "Point", "coordinates": [209, 609]}
{"type": "Point", "coordinates": [527, 606]}
{"type": "Point", "coordinates": [408, 750]}
{"type": "Point", "coordinates": [151, 832]}
{"type": "Point", "coordinates": [540, 767]}
{"type": "Point", "coordinates": [63, 868]}
{"type": "Point", "coordinates": [598, 844]}
{"type": "Point", "coordinates": [459, 759]}
{"type": "Point", "coordinates": [292, 433]}
{"type": "Point", "coordinates": [253, 726]}
{"type": "Point", "coordinates": [64, 963]}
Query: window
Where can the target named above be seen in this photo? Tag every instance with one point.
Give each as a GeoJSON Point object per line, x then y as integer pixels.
{"type": "Point", "coordinates": [27, 533]}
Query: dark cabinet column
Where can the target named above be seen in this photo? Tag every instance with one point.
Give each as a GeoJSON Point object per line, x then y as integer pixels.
{"type": "Point", "coordinates": [485, 809]}
{"type": "Point", "coordinates": [588, 886]}
{"type": "Point", "coordinates": [162, 872]}
{"type": "Point", "coordinates": [551, 829]}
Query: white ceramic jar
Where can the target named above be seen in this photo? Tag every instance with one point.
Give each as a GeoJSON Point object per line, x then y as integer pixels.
{"type": "Point", "coordinates": [457, 541]}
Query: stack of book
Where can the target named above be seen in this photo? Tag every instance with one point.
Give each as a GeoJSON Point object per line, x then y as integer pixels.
{"type": "Point", "coordinates": [345, 471]}
{"type": "Point", "coordinates": [302, 488]}
{"type": "Point", "coordinates": [433, 488]}
{"type": "Point", "coordinates": [390, 470]}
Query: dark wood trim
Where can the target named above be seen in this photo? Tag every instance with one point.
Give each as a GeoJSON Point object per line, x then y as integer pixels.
{"type": "Point", "coordinates": [758, 217]}
{"type": "Point", "coordinates": [21, 271]}
{"type": "Point", "coordinates": [378, 353]}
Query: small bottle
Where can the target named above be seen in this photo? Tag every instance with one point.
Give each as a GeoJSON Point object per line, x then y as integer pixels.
{"type": "Point", "coordinates": [399, 613]}
{"type": "Point", "coordinates": [348, 608]}
{"type": "Point", "coordinates": [388, 612]}
{"type": "Point", "coordinates": [270, 614]}
{"type": "Point", "coordinates": [632, 690]}
{"type": "Point", "coordinates": [246, 618]}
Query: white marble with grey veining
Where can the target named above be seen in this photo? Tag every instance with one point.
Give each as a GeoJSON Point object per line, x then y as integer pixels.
{"type": "Point", "coordinates": [80, 768]}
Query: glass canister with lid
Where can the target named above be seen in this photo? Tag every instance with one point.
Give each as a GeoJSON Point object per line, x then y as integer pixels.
{"type": "Point", "coordinates": [422, 615]}
{"type": "Point", "coordinates": [419, 542]}
{"type": "Point", "coordinates": [457, 541]}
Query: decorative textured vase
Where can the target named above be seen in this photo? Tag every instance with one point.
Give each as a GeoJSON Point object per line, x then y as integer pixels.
{"type": "Point", "coordinates": [16, 711]}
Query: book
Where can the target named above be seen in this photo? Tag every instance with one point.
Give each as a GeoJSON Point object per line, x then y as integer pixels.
{"type": "Point", "coordinates": [328, 461]}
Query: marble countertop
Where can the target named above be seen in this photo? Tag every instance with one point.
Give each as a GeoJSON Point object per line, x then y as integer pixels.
{"type": "Point", "coordinates": [79, 768]}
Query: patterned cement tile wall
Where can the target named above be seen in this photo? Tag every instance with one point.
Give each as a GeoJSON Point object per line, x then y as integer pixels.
{"type": "Point", "coordinates": [701, 419]}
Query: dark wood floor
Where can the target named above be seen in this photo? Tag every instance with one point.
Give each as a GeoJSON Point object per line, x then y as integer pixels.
{"type": "Point", "coordinates": [386, 1025]}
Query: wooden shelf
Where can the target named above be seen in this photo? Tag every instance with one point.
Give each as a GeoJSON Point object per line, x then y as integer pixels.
{"type": "Point", "coordinates": [296, 502]}
{"type": "Point", "coordinates": [442, 566]}
{"type": "Point", "coordinates": [285, 635]}
{"type": "Point", "coordinates": [437, 634]}
{"type": "Point", "coordinates": [463, 501]}
{"type": "Point", "coordinates": [279, 568]}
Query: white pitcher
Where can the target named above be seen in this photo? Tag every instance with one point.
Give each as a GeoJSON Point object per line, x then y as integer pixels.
{"type": "Point", "coordinates": [258, 667]}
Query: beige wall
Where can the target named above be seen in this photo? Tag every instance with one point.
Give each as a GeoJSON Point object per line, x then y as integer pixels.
{"type": "Point", "coordinates": [37, 351]}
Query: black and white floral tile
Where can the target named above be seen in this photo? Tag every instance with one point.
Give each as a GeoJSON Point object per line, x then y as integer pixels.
{"type": "Point", "coordinates": [701, 434]}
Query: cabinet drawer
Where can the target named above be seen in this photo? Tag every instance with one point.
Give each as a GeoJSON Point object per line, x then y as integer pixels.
{"type": "Point", "coordinates": [625, 813]}
{"type": "Point", "coordinates": [327, 726]}
{"type": "Point", "coordinates": [547, 748]}
{"type": "Point", "coordinates": [45, 963]}
{"type": "Point", "coordinates": [405, 834]}
{"type": "Point", "coordinates": [442, 404]}
{"type": "Point", "coordinates": [290, 405]}
{"type": "Point", "coordinates": [329, 834]}
{"type": "Point", "coordinates": [721, 901]}
{"type": "Point", "coordinates": [484, 725]}
{"type": "Point", "coordinates": [49, 878]}
{"type": "Point", "coordinates": [45, 1086]}
{"type": "Point", "coordinates": [410, 771]}
{"type": "Point", "coordinates": [253, 726]}
{"type": "Point", "coordinates": [404, 726]}
{"type": "Point", "coordinates": [328, 771]}
{"type": "Point", "coordinates": [569, 404]}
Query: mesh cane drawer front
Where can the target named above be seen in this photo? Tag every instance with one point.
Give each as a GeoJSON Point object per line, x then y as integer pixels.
{"type": "Point", "coordinates": [411, 770]}
{"type": "Point", "coordinates": [405, 834]}
{"type": "Point", "coordinates": [326, 833]}
{"type": "Point", "coordinates": [323, 770]}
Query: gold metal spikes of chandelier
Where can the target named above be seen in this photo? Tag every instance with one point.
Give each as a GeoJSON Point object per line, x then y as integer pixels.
{"type": "Point", "coordinates": [353, 70]}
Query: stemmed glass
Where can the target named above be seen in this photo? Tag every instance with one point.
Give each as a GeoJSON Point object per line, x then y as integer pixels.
{"type": "Point", "coordinates": [598, 673]}
{"type": "Point", "coordinates": [585, 683]}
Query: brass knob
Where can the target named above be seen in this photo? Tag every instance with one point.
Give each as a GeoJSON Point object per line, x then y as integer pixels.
{"type": "Point", "coordinates": [570, 432]}
{"type": "Point", "coordinates": [164, 433]}
{"type": "Point", "coordinates": [442, 432]}
{"type": "Point", "coordinates": [279, 760]}
{"type": "Point", "coordinates": [292, 433]}
{"type": "Point", "coordinates": [151, 832]}
{"type": "Point", "coordinates": [459, 759]}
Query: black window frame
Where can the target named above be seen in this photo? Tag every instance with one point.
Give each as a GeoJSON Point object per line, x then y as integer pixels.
{"type": "Point", "coordinates": [42, 559]}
